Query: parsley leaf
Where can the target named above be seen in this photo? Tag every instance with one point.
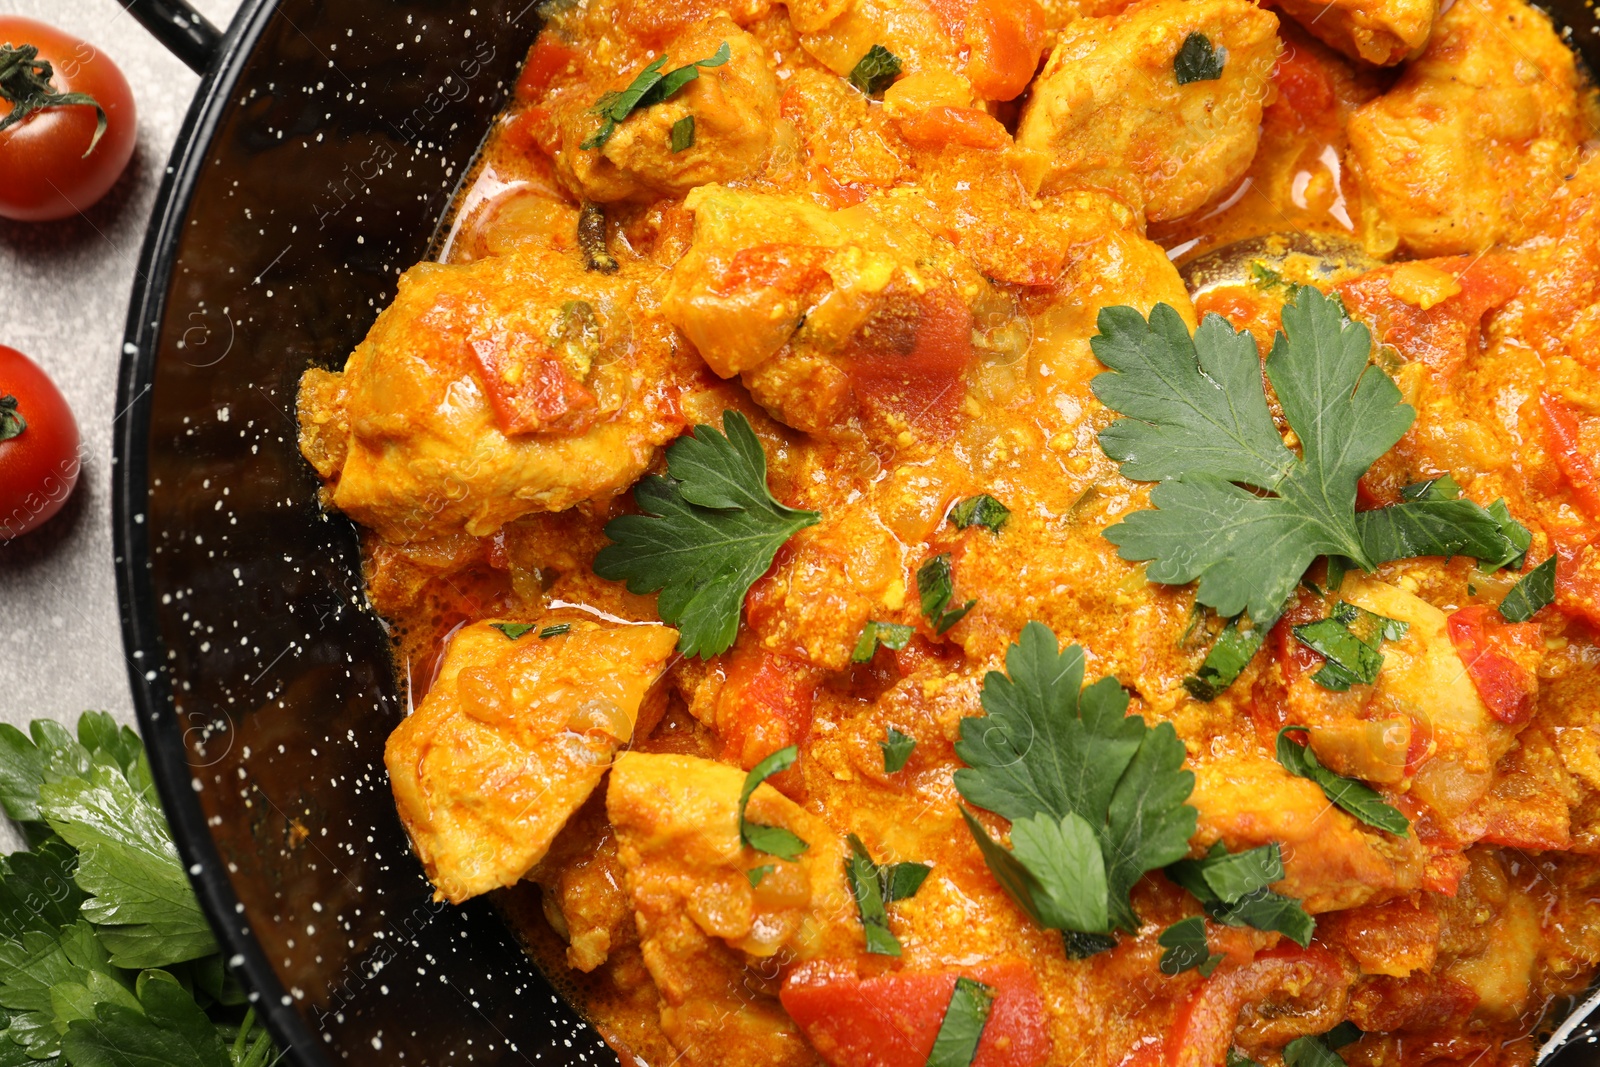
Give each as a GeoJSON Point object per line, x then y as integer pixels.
{"type": "Point", "coordinates": [875, 71]}
{"type": "Point", "coordinates": [681, 139]}
{"type": "Point", "coordinates": [1348, 640]}
{"type": "Point", "coordinates": [1058, 759]}
{"type": "Point", "coordinates": [37, 891]}
{"type": "Point", "coordinates": [1311, 1051]}
{"type": "Point", "coordinates": [888, 634]}
{"type": "Point", "coordinates": [774, 840]}
{"type": "Point", "coordinates": [1535, 590]}
{"type": "Point", "coordinates": [1236, 508]}
{"type": "Point", "coordinates": [650, 86]}
{"type": "Point", "coordinates": [935, 586]}
{"type": "Point", "coordinates": [512, 630]}
{"type": "Point", "coordinates": [141, 900]}
{"type": "Point", "coordinates": [1197, 60]}
{"type": "Point", "coordinates": [164, 1027]}
{"type": "Point", "coordinates": [982, 510]}
{"type": "Point", "coordinates": [46, 976]}
{"type": "Point", "coordinates": [962, 1027]}
{"type": "Point", "coordinates": [1232, 651]}
{"type": "Point", "coordinates": [755, 874]}
{"type": "Point", "coordinates": [896, 749]}
{"type": "Point", "coordinates": [555, 630]}
{"type": "Point", "coordinates": [1232, 887]}
{"type": "Point", "coordinates": [1357, 798]}
{"type": "Point", "coordinates": [1185, 944]}
{"type": "Point", "coordinates": [1518, 536]}
{"type": "Point", "coordinates": [707, 533]}
{"type": "Point", "coordinates": [875, 886]}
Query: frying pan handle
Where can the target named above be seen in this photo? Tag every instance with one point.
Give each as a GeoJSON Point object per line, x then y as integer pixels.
{"type": "Point", "coordinates": [187, 34]}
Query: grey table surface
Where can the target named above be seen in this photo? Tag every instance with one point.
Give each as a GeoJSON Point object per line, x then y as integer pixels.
{"type": "Point", "coordinates": [64, 291]}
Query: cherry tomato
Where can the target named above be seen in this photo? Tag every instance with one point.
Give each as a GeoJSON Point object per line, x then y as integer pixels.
{"type": "Point", "coordinates": [47, 168]}
{"type": "Point", "coordinates": [39, 455]}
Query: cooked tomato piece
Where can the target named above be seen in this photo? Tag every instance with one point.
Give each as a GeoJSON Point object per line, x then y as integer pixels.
{"type": "Point", "coordinates": [1499, 657]}
{"type": "Point", "coordinates": [1406, 306]}
{"type": "Point", "coordinates": [892, 1020]}
{"type": "Point", "coordinates": [549, 57]}
{"type": "Point", "coordinates": [1305, 88]}
{"type": "Point", "coordinates": [940, 124]}
{"type": "Point", "coordinates": [1577, 575]}
{"type": "Point", "coordinates": [1573, 441]}
{"type": "Point", "coordinates": [1203, 1029]}
{"type": "Point", "coordinates": [910, 360]}
{"type": "Point", "coordinates": [765, 704]}
{"type": "Point", "coordinates": [1003, 39]}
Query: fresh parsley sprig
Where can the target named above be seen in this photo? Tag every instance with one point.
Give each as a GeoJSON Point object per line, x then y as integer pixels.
{"type": "Point", "coordinates": [1357, 798]}
{"type": "Point", "coordinates": [650, 86]}
{"type": "Point", "coordinates": [710, 528]}
{"type": "Point", "coordinates": [105, 956]}
{"type": "Point", "coordinates": [1235, 507]}
{"type": "Point", "coordinates": [774, 840]}
{"type": "Point", "coordinates": [1095, 797]}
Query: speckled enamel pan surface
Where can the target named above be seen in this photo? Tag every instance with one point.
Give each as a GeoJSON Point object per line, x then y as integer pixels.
{"type": "Point", "coordinates": [322, 151]}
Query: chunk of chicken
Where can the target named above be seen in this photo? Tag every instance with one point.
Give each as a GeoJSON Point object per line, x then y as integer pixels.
{"type": "Point", "coordinates": [510, 741]}
{"type": "Point", "coordinates": [489, 391]}
{"type": "Point", "coordinates": [709, 936]}
{"type": "Point", "coordinates": [1108, 110]}
{"type": "Point", "coordinates": [735, 111]}
{"type": "Point", "coordinates": [1455, 176]}
{"type": "Point", "coordinates": [1381, 32]}
{"type": "Point", "coordinates": [823, 311]}
{"type": "Point", "coordinates": [992, 46]}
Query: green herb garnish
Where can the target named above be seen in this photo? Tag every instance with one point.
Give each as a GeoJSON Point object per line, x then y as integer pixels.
{"type": "Point", "coordinates": [682, 137]}
{"type": "Point", "coordinates": [1232, 887]}
{"type": "Point", "coordinates": [512, 630]}
{"type": "Point", "coordinates": [1357, 798]}
{"type": "Point", "coordinates": [1095, 797]}
{"type": "Point", "coordinates": [555, 630]}
{"type": "Point", "coordinates": [755, 874]}
{"type": "Point", "coordinates": [1535, 590]}
{"type": "Point", "coordinates": [650, 86]}
{"type": "Point", "coordinates": [708, 531]}
{"type": "Point", "coordinates": [892, 635]}
{"type": "Point", "coordinates": [1229, 655]}
{"type": "Point", "coordinates": [875, 71]}
{"type": "Point", "coordinates": [1348, 640]}
{"type": "Point", "coordinates": [962, 1028]}
{"type": "Point", "coordinates": [1317, 1051]}
{"type": "Point", "coordinates": [1185, 944]}
{"type": "Point", "coordinates": [875, 886]}
{"type": "Point", "coordinates": [935, 586]}
{"type": "Point", "coordinates": [896, 749]}
{"type": "Point", "coordinates": [105, 956]}
{"type": "Point", "coordinates": [1517, 536]}
{"type": "Point", "coordinates": [982, 510]}
{"type": "Point", "coordinates": [1197, 60]}
{"type": "Point", "coordinates": [1235, 507]}
{"type": "Point", "coordinates": [774, 840]}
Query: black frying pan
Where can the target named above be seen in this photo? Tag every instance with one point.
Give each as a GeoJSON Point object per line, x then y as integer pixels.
{"type": "Point", "coordinates": [322, 149]}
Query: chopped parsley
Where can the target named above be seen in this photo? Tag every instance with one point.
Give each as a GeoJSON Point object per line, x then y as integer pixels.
{"type": "Point", "coordinates": [1095, 797]}
{"type": "Point", "coordinates": [1357, 798]}
{"type": "Point", "coordinates": [1236, 508]}
{"type": "Point", "coordinates": [1535, 590]}
{"type": "Point", "coordinates": [1518, 536]}
{"type": "Point", "coordinates": [962, 1028]}
{"type": "Point", "coordinates": [1232, 888]}
{"type": "Point", "coordinates": [1348, 640]}
{"type": "Point", "coordinates": [555, 630]}
{"type": "Point", "coordinates": [650, 86]}
{"type": "Point", "coordinates": [875, 886]}
{"type": "Point", "coordinates": [710, 528]}
{"type": "Point", "coordinates": [105, 955]}
{"type": "Point", "coordinates": [875, 71]}
{"type": "Point", "coordinates": [682, 136]}
{"type": "Point", "coordinates": [773, 840]}
{"type": "Point", "coordinates": [982, 510]}
{"type": "Point", "coordinates": [892, 635]}
{"type": "Point", "coordinates": [1318, 1050]}
{"type": "Point", "coordinates": [513, 630]}
{"type": "Point", "coordinates": [1232, 651]}
{"type": "Point", "coordinates": [756, 874]}
{"type": "Point", "coordinates": [1197, 60]}
{"type": "Point", "coordinates": [935, 586]}
{"type": "Point", "coordinates": [1186, 948]}
{"type": "Point", "coordinates": [896, 749]}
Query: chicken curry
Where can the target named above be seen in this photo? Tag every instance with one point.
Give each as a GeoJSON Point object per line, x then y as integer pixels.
{"type": "Point", "coordinates": [1009, 532]}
